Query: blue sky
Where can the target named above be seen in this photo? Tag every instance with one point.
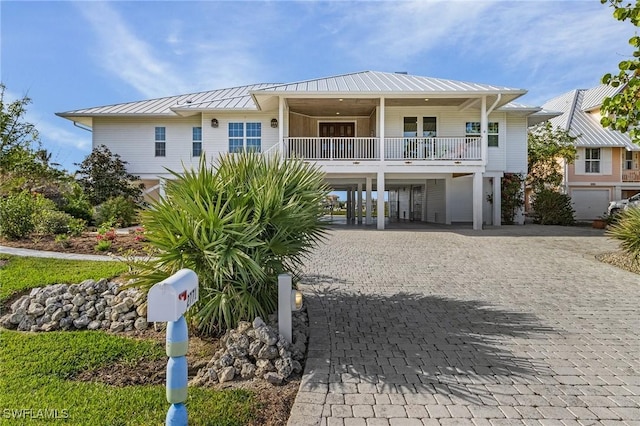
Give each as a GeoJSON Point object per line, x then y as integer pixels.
{"type": "Point", "coordinates": [69, 55]}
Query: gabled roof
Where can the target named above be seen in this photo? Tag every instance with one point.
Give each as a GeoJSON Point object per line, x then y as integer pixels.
{"type": "Point", "coordinates": [576, 118]}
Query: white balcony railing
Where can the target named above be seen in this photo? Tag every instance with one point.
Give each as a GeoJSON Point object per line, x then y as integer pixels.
{"type": "Point", "coordinates": [428, 149]}
{"type": "Point", "coordinates": [332, 148]}
{"type": "Point", "coordinates": [432, 149]}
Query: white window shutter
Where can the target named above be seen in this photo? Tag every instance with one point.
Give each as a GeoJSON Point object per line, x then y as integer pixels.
{"type": "Point", "coordinates": [606, 161]}
{"type": "Point", "coordinates": [579, 163]}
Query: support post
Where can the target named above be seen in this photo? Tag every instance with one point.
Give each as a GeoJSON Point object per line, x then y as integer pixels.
{"type": "Point", "coordinates": [448, 195]}
{"type": "Point", "coordinates": [380, 117]}
{"type": "Point", "coordinates": [477, 201]}
{"type": "Point", "coordinates": [281, 126]}
{"type": "Point", "coordinates": [359, 203]}
{"type": "Point", "coordinates": [380, 201]}
{"type": "Point", "coordinates": [177, 344]}
{"type": "Point", "coordinates": [484, 125]}
{"type": "Point", "coordinates": [368, 200]}
{"type": "Point", "coordinates": [497, 201]}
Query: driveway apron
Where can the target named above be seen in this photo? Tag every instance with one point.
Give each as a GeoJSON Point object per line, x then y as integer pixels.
{"type": "Point", "coordinates": [512, 325]}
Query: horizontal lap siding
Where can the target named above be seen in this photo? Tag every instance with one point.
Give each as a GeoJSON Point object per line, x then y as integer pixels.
{"type": "Point", "coordinates": [516, 145]}
{"type": "Point", "coordinates": [134, 139]}
{"type": "Point", "coordinates": [436, 201]}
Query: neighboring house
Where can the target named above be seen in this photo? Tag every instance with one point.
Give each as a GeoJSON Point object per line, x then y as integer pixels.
{"type": "Point", "coordinates": [438, 147]}
{"type": "Point", "coordinates": [607, 165]}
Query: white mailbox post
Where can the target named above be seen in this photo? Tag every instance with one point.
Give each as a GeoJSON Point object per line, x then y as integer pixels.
{"type": "Point", "coordinates": [288, 300]}
{"type": "Point", "coordinates": [167, 301]}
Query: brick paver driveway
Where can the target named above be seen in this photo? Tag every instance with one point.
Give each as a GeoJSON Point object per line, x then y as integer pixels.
{"type": "Point", "coordinates": [443, 326]}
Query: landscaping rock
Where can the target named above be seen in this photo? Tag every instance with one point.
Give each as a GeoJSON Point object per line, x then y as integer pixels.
{"type": "Point", "coordinates": [255, 350]}
{"type": "Point", "coordinates": [93, 305]}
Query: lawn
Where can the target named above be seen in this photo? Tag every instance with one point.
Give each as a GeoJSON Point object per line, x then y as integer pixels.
{"type": "Point", "coordinates": [22, 273]}
{"type": "Point", "coordinates": [37, 369]}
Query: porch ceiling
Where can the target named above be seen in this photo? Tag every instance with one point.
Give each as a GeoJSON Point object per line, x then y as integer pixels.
{"type": "Point", "coordinates": [361, 106]}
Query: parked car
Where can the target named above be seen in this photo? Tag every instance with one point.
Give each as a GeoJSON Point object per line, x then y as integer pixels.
{"type": "Point", "coordinates": [617, 206]}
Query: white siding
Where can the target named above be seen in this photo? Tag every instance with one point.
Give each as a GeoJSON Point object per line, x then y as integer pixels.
{"type": "Point", "coordinates": [436, 205]}
{"type": "Point", "coordinates": [134, 139]}
{"type": "Point", "coordinates": [516, 145]}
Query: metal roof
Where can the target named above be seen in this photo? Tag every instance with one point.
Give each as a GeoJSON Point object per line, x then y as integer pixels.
{"type": "Point", "coordinates": [384, 82]}
{"type": "Point", "coordinates": [593, 97]}
{"type": "Point", "coordinates": [584, 125]}
{"type": "Point", "coordinates": [232, 98]}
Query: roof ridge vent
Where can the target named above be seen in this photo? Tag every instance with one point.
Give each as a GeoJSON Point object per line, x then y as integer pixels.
{"type": "Point", "coordinates": [401, 72]}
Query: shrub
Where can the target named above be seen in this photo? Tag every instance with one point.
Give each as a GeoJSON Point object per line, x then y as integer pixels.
{"type": "Point", "coordinates": [552, 208]}
{"type": "Point", "coordinates": [103, 245]}
{"type": "Point", "coordinates": [237, 226]}
{"type": "Point", "coordinates": [53, 222]}
{"type": "Point", "coordinates": [16, 215]}
{"type": "Point", "coordinates": [512, 193]}
{"type": "Point", "coordinates": [119, 210]}
{"type": "Point", "coordinates": [76, 203]}
{"type": "Point", "coordinates": [627, 231]}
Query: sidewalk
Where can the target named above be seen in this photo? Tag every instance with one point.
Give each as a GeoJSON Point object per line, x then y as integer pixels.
{"type": "Point", "coordinates": [56, 255]}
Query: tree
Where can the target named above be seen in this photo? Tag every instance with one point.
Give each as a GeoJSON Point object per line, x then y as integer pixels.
{"type": "Point", "coordinates": [622, 111]}
{"type": "Point", "coordinates": [547, 146]}
{"type": "Point", "coordinates": [103, 175]}
{"type": "Point", "coordinates": [24, 165]}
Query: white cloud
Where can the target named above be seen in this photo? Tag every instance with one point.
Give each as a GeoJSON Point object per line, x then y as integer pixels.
{"type": "Point", "coordinates": [124, 54]}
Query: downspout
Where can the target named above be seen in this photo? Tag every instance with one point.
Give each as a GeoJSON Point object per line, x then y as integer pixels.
{"type": "Point", "coordinates": [80, 126]}
{"type": "Point", "coordinates": [492, 107]}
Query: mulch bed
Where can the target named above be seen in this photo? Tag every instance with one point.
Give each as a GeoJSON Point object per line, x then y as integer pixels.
{"type": "Point", "coordinates": [123, 244]}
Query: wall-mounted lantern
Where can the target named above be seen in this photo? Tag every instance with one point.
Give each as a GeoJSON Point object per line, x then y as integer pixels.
{"type": "Point", "coordinates": [214, 123]}
{"type": "Point", "coordinates": [274, 123]}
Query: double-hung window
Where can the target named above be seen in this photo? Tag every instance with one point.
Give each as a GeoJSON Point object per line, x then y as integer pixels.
{"type": "Point", "coordinates": [592, 160]}
{"type": "Point", "coordinates": [628, 160]}
{"type": "Point", "coordinates": [161, 141]}
{"type": "Point", "coordinates": [196, 144]}
{"type": "Point", "coordinates": [493, 129]}
{"type": "Point", "coordinates": [245, 136]}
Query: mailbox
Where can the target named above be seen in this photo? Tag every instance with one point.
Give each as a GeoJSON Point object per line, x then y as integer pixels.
{"type": "Point", "coordinates": [168, 300]}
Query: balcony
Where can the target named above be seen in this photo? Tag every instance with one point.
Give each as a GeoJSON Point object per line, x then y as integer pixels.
{"type": "Point", "coordinates": [368, 149]}
{"type": "Point", "coordinates": [631, 175]}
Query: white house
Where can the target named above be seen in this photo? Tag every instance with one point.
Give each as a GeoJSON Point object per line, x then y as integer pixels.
{"type": "Point", "coordinates": [438, 147]}
{"type": "Point", "coordinates": [607, 165]}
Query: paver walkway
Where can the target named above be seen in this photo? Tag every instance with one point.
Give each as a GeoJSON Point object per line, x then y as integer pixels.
{"type": "Point", "coordinates": [460, 327]}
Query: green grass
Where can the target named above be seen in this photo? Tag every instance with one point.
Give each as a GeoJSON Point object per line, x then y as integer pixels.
{"type": "Point", "coordinates": [22, 273]}
{"type": "Point", "coordinates": [36, 369]}
{"type": "Point", "coordinates": [35, 372]}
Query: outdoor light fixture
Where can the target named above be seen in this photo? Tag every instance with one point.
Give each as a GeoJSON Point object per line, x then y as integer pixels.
{"type": "Point", "coordinates": [274, 122]}
{"type": "Point", "coordinates": [214, 123]}
{"type": "Point", "coordinates": [296, 300]}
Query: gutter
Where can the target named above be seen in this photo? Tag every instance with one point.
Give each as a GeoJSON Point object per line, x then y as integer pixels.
{"type": "Point", "coordinates": [83, 127]}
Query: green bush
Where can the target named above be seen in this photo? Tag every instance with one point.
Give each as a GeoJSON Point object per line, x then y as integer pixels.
{"type": "Point", "coordinates": [16, 215]}
{"type": "Point", "coordinates": [76, 203]}
{"type": "Point", "coordinates": [53, 222]}
{"type": "Point", "coordinates": [552, 208]}
{"type": "Point", "coordinates": [120, 210]}
{"type": "Point", "coordinates": [627, 231]}
{"type": "Point", "coordinates": [238, 226]}
{"type": "Point", "coordinates": [512, 194]}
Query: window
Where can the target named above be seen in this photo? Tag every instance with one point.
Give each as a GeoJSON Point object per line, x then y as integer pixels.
{"type": "Point", "coordinates": [592, 160]}
{"type": "Point", "coordinates": [410, 127]}
{"type": "Point", "coordinates": [628, 160]}
{"type": "Point", "coordinates": [251, 141]}
{"type": "Point", "coordinates": [161, 144]}
{"type": "Point", "coordinates": [429, 129]}
{"type": "Point", "coordinates": [473, 130]}
{"type": "Point", "coordinates": [196, 145]}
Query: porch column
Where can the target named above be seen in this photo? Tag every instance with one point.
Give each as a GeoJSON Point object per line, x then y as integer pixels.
{"type": "Point", "coordinates": [161, 189]}
{"type": "Point", "coordinates": [380, 118]}
{"type": "Point", "coordinates": [380, 201]}
{"type": "Point", "coordinates": [448, 210]}
{"type": "Point", "coordinates": [368, 200]}
{"type": "Point", "coordinates": [281, 125]}
{"type": "Point", "coordinates": [477, 201]}
{"type": "Point", "coordinates": [349, 201]}
{"type": "Point", "coordinates": [497, 201]}
{"type": "Point", "coordinates": [484, 139]}
{"type": "Point", "coordinates": [359, 203]}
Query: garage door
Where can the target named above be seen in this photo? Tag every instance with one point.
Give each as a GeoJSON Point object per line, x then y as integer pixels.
{"type": "Point", "coordinates": [590, 204]}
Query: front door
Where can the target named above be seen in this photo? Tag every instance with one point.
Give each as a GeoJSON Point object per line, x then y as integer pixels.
{"type": "Point", "coordinates": [339, 148]}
